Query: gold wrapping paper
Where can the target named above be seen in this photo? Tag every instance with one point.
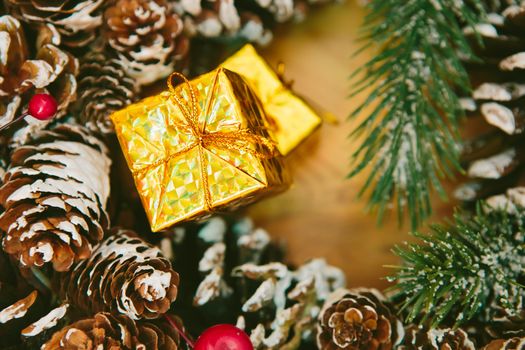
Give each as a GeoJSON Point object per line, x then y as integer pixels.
{"type": "Point", "coordinates": [196, 150]}
{"type": "Point", "coordinates": [290, 119]}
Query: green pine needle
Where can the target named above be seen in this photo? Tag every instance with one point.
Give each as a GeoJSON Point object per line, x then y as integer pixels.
{"type": "Point", "coordinates": [462, 268]}
{"type": "Point", "coordinates": [410, 137]}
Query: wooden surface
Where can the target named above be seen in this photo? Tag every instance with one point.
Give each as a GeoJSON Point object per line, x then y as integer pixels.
{"type": "Point", "coordinates": [320, 216]}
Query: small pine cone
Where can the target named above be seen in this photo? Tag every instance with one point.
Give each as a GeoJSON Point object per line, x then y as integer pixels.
{"type": "Point", "coordinates": [124, 275]}
{"type": "Point", "coordinates": [54, 194]}
{"type": "Point", "coordinates": [107, 332]}
{"type": "Point", "coordinates": [104, 87]}
{"type": "Point", "coordinates": [506, 344]}
{"type": "Point", "coordinates": [417, 338]}
{"type": "Point", "coordinates": [50, 70]}
{"type": "Point", "coordinates": [75, 20]}
{"type": "Point", "coordinates": [146, 35]}
{"type": "Point", "coordinates": [358, 319]}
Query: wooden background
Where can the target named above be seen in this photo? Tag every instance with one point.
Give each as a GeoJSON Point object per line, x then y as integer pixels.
{"type": "Point", "coordinates": [320, 216]}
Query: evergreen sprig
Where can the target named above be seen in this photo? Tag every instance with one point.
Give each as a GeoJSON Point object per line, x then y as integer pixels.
{"type": "Point", "coordinates": [462, 268]}
{"type": "Point", "coordinates": [410, 137]}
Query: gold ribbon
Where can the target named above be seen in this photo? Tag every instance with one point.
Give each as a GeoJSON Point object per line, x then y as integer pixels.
{"type": "Point", "coordinates": [237, 140]}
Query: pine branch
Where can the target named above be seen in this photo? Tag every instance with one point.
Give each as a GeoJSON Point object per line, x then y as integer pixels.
{"type": "Point", "coordinates": [464, 267]}
{"type": "Point", "coordinates": [410, 138]}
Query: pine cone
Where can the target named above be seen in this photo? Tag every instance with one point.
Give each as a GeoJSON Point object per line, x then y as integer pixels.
{"type": "Point", "coordinates": [124, 275]}
{"type": "Point", "coordinates": [506, 344]}
{"type": "Point", "coordinates": [54, 194]}
{"type": "Point", "coordinates": [146, 36]}
{"type": "Point", "coordinates": [358, 319]}
{"type": "Point", "coordinates": [242, 281]}
{"type": "Point", "coordinates": [296, 297]}
{"type": "Point", "coordinates": [250, 20]}
{"type": "Point", "coordinates": [75, 20]}
{"type": "Point", "coordinates": [495, 160]}
{"type": "Point", "coordinates": [104, 88]}
{"type": "Point", "coordinates": [50, 70]}
{"type": "Point", "coordinates": [418, 338]}
{"type": "Point", "coordinates": [115, 332]}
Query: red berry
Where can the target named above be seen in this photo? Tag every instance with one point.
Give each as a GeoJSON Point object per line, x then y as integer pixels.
{"type": "Point", "coordinates": [223, 337]}
{"type": "Point", "coordinates": [42, 106]}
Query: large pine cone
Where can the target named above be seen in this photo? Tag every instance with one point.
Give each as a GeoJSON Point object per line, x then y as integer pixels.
{"type": "Point", "coordinates": [104, 87]}
{"type": "Point", "coordinates": [75, 20]}
{"type": "Point", "coordinates": [124, 275]}
{"type": "Point", "coordinates": [146, 35]}
{"type": "Point", "coordinates": [495, 160]}
{"type": "Point", "coordinates": [50, 70]}
{"type": "Point", "coordinates": [358, 319]}
{"type": "Point", "coordinates": [506, 344]}
{"type": "Point", "coordinates": [114, 332]}
{"type": "Point", "coordinates": [54, 194]}
{"type": "Point", "coordinates": [418, 338]}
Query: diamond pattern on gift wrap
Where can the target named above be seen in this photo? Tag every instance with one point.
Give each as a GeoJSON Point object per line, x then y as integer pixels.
{"type": "Point", "coordinates": [247, 163]}
{"type": "Point", "coordinates": [182, 194]}
{"type": "Point", "coordinates": [140, 151]}
{"type": "Point", "coordinates": [178, 133]}
{"type": "Point", "coordinates": [201, 87]}
{"type": "Point", "coordinates": [227, 182]}
{"type": "Point", "coordinates": [223, 112]}
{"type": "Point", "coordinates": [147, 185]}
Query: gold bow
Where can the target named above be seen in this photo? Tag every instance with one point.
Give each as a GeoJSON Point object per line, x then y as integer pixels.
{"type": "Point", "coordinates": [238, 140]}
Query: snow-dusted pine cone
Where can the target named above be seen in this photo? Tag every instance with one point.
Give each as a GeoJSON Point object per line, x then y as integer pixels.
{"type": "Point", "coordinates": [146, 36]}
{"type": "Point", "coordinates": [54, 194]}
{"type": "Point", "coordinates": [495, 160]}
{"type": "Point", "coordinates": [104, 87]}
{"type": "Point", "coordinates": [75, 20]}
{"type": "Point", "coordinates": [358, 319]}
{"type": "Point", "coordinates": [506, 344]}
{"type": "Point", "coordinates": [250, 20]}
{"type": "Point", "coordinates": [114, 332]}
{"type": "Point", "coordinates": [23, 74]}
{"type": "Point", "coordinates": [231, 272]}
{"type": "Point", "coordinates": [291, 299]}
{"type": "Point", "coordinates": [417, 338]}
{"type": "Point", "coordinates": [124, 275]}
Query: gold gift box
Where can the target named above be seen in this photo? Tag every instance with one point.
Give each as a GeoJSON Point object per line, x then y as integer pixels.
{"type": "Point", "coordinates": [290, 119]}
{"type": "Point", "coordinates": [191, 157]}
